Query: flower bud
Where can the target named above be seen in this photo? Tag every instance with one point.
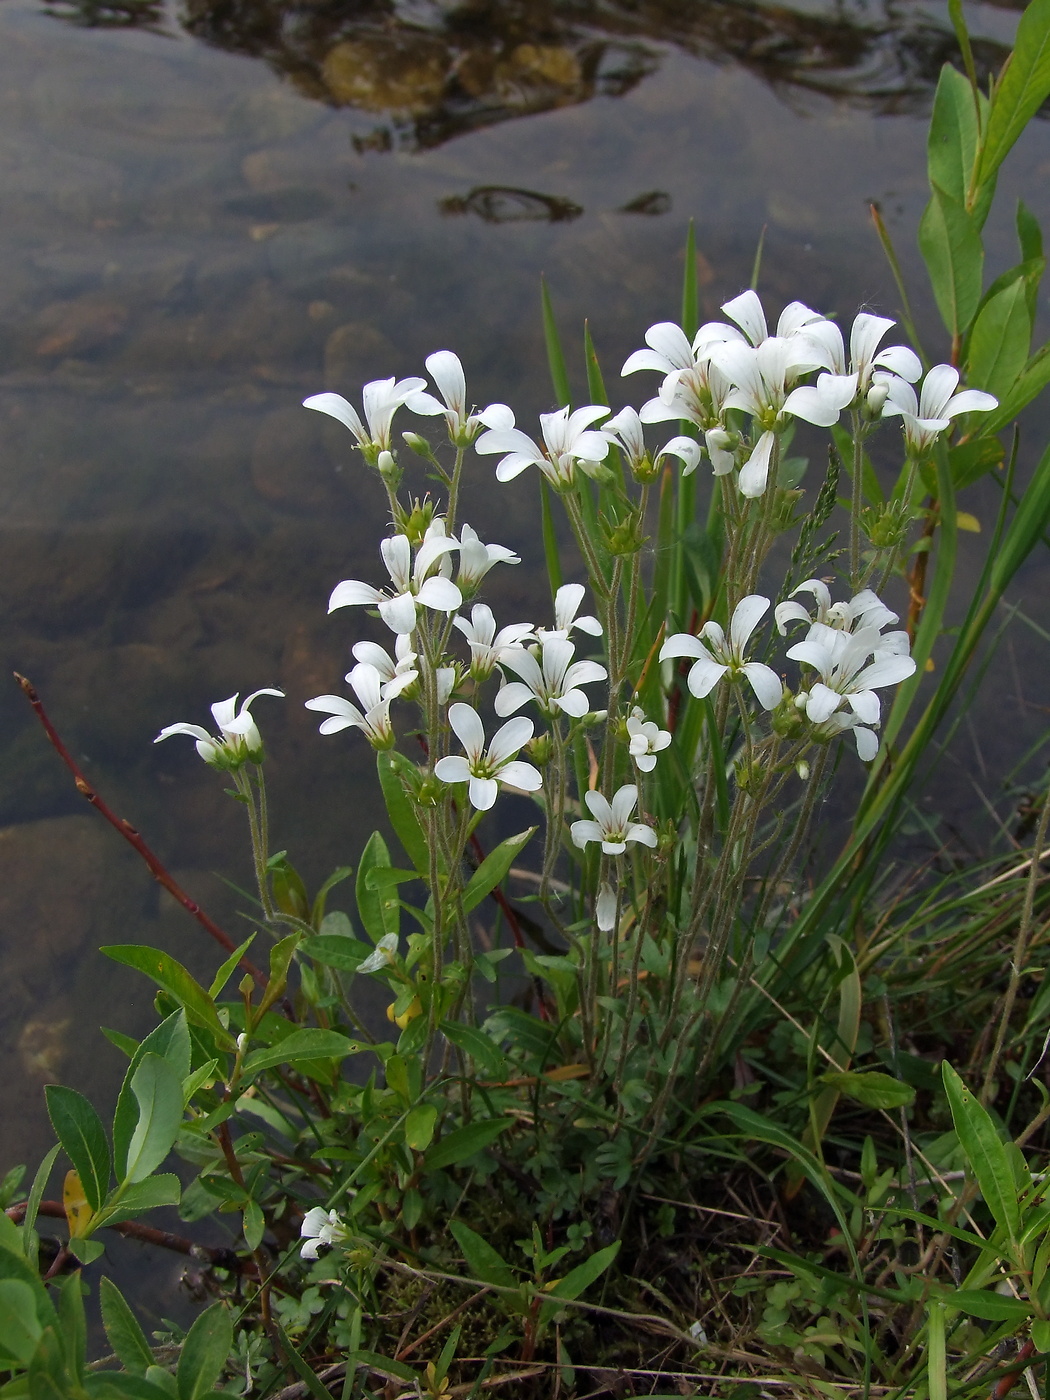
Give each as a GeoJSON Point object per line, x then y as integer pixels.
{"type": "Point", "coordinates": [802, 769]}
{"type": "Point", "coordinates": [389, 470]}
{"type": "Point", "coordinates": [623, 536]}
{"type": "Point", "coordinates": [786, 718]}
{"type": "Point", "coordinates": [539, 750]}
{"type": "Point", "coordinates": [417, 521]}
{"type": "Point", "coordinates": [876, 400]}
{"type": "Point", "coordinates": [242, 1043]}
{"type": "Point", "coordinates": [418, 444]}
{"type": "Point", "coordinates": [597, 471]}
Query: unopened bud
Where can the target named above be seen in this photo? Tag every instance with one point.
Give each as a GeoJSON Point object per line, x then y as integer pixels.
{"type": "Point", "coordinates": [242, 1043]}
{"type": "Point", "coordinates": [540, 749]}
{"type": "Point", "coordinates": [418, 444]}
{"type": "Point", "coordinates": [876, 400]}
{"type": "Point", "coordinates": [802, 769]}
{"type": "Point", "coordinates": [389, 470]}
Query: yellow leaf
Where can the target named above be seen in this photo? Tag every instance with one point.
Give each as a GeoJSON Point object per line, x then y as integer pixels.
{"type": "Point", "coordinates": [78, 1212]}
{"type": "Point", "coordinates": [929, 664]}
{"type": "Point", "coordinates": [965, 521]}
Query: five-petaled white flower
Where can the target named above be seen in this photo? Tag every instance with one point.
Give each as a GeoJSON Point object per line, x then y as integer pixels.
{"type": "Point", "coordinates": [320, 1227]}
{"type": "Point", "coordinates": [746, 310]}
{"type": "Point", "coordinates": [864, 609]}
{"type": "Point", "coordinates": [840, 659]}
{"type": "Point", "coordinates": [485, 771]}
{"type": "Point", "coordinates": [849, 384]}
{"type": "Point", "coordinates": [373, 719]}
{"type": "Point", "coordinates": [381, 400]}
{"type": "Point", "coordinates": [717, 657]}
{"type": "Point", "coordinates": [646, 739]}
{"type": "Point", "coordinates": [612, 824]}
{"type": "Point", "coordinates": [567, 602]}
{"type": "Point", "coordinates": [569, 442]}
{"type": "Point", "coordinates": [626, 426]}
{"type": "Point", "coordinates": [413, 584]}
{"type": "Point", "coordinates": [487, 646]}
{"type": "Point", "coordinates": [553, 681]}
{"type": "Point", "coordinates": [451, 383]}
{"type": "Point", "coordinates": [927, 417]}
{"type": "Point", "coordinates": [240, 737]}
{"type": "Point", "coordinates": [396, 673]}
{"type": "Point", "coordinates": [476, 559]}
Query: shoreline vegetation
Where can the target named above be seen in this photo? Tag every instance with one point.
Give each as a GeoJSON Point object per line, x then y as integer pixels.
{"type": "Point", "coordinates": [678, 1091]}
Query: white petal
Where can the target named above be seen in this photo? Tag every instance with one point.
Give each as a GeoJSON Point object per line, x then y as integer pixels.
{"type": "Point", "coordinates": [441, 594]}
{"type": "Point", "coordinates": [521, 775]}
{"type": "Point", "coordinates": [755, 471]}
{"type": "Point", "coordinates": [898, 359]}
{"type": "Point", "coordinates": [447, 371]}
{"type": "Point", "coordinates": [573, 702]}
{"type": "Point", "coordinates": [469, 729]}
{"type": "Point", "coordinates": [641, 833]}
{"type": "Point", "coordinates": [453, 768]}
{"type": "Point", "coordinates": [350, 593]}
{"type": "Point", "coordinates": [509, 739]}
{"type": "Point", "coordinates": [399, 613]}
{"type": "Point", "coordinates": [746, 311]}
{"type": "Point", "coordinates": [971, 401]}
{"type": "Point", "coordinates": [614, 848]}
{"type": "Point", "coordinates": [703, 676]}
{"type": "Point", "coordinates": [822, 703]}
{"type": "Point", "coordinates": [683, 644]}
{"type": "Point", "coordinates": [867, 743]}
{"type": "Point", "coordinates": [582, 832]}
{"type": "Point", "coordinates": [623, 804]}
{"type": "Point", "coordinates": [337, 407]}
{"type": "Point", "coordinates": [747, 614]}
{"type": "Point", "coordinates": [512, 697]}
{"type": "Point", "coordinates": [483, 793]}
{"type": "Point", "coordinates": [765, 682]}
{"type": "Point", "coordinates": [599, 808]}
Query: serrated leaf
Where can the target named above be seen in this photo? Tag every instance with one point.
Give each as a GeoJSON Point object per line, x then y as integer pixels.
{"type": "Point", "coordinates": [493, 869]}
{"type": "Point", "coordinates": [139, 1197]}
{"type": "Point", "coordinates": [204, 1353]}
{"type": "Point", "coordinates": [281, 955]}
{"type": "Point", "coordinates": [173, 977]}
{"type": "Point", "coordinates": [463, 1143]}
{"type": "Point", "coordinates": [984, 1152]}
{"type": "Point", "coordinates": [158, 1091]}
{"type": "Point", "coordinates": [1021, 90]}
{"type": "Point", "coordinates": [483, 1262]}
{"type": "Point", "coordinates": [86, 1250]}
{"type": "Point", "coordinates": [83, 1139]}
{"type": "Point", "coordinates": [225, 972]}
{"type": "Point", "coordinates": [309, 1043]}
{"type": "Point", "coordinates": [125, 1335]}
{"type": "Point", "coordinates": [344, 953]}
{"type": "Point", "coordinates": [871, 1088]}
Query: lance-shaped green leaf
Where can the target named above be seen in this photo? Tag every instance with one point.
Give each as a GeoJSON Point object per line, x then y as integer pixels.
{"type": "Point", "coordinates": [984, 1152]}
{"type": "Point", "coordinates": [225, 972]}
{"type": "Point", "coordinates": [954, 255]}
{"type": "Point", "coordinates": [158, 1092]}
{"type": "Point", "coordinates": [83, 1139]}
{"type": "Point", "coordinates": [463, 1143]}
{"type": "Point", "coordinates": [871, 1088]}
{"type": "Point", "coordinates": [171, 1041]}
{"type": "Point", "coordinates": [378, 909]}
{"type": "Point", "coordinates": [951, 145]}
{"type": "Point", "coordinates": [173, 977]}
{"type": "Point", "coordinates": [306, 1044]}
{"type": "Point", "coordinates": [139, 1198]}
{"type": "Point", "coordinates": [1021, 90]}
{"type": "Point", "coordinates": [483, 1261]}
{"type": "Point", "coordinates": [394, 769]}
{"type": "Point", "coordinates": [493, 869]}
{"type": "Point", "coordinates": [204, 1353]}
{"type": "Point", "coordinates": [20, 1328]}
{"type": "Point", "coordinates": [281, 955]}
{"type": "Point", "coordinates": [125, 1335]}
{"type": "Point", "coordinates": [1000, 339]}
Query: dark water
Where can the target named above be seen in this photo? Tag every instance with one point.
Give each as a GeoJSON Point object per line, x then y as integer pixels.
{"type": "Point", "coordinates": [209, 213]}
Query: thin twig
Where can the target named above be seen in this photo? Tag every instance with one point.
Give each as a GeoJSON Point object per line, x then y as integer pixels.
{"type": "Point", "coordinates": [221, 1258]}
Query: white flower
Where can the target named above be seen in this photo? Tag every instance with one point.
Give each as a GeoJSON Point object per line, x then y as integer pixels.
{"type": "Point", "coordinates": [847, 385]}
{"type": "Point", "coordinates": [567, 601]}
{"type": "Point", "coordinates": [397, 674]}
{"type": "Point", "coordinates": [841, 661]}
{"type": "Point", "coordinates": [864, 609]}
{"type": "Point", "coordinates": [746, 310]}
{"type": "Point", "coordinates": [447, 370]}
{"type": "Point", "coordinates": [384, 956]}
{"type": "Point", "coordinates": [612, 824]}
{"type": "Point", "coordinates": [716, 657]}
{"type": "Point", "coordinates": [553, 681]}
{"type": "Point", "coordinates": [381, 399]}
{"type": "Point", "coordinates": [487, 646]}
{"type": "Point", "coordinates": [412, 586]}
{"type": "Point", "coordinates": [693, 387]}
{"type": "Point", "coordinates": [486, 771]}
{"type": "Point", "coordinates": [647, 739]}
{"type": "Point", "coordinates": [240, 739]}
{"type": "Point", "coordinates": [320, 1227]}
{"type": "Point", "coordinates": [605, 908]}
{"type": "Point", "coordinates": [627, 428]}
{"type": "Point", "coordinates": [926, 418]}
{"type": "Point", "coordinates": [476, 559]}
{"type": "Point", "coordinates": [569, 441]}
{"type": "Point", "coordinates": [373, 719]}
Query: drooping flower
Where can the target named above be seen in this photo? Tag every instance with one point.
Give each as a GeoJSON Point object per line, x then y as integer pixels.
{"type": "Point", "coordinates": [569, 442]}
{"type": "Point", "coordinates": [381, 399]}
{"type": "Point", "coordinates": [927, 417]}
{"type": "Point", "coordinates": [567, 601]}
{"type": "Point", "coordinates": [447, 370]}
{"type": "Point", "coordinates": [373, 718]}
{"type": "Point", "coordinates": [605, 908]}
{"type": "Point", "coordinates": [612, 824]}
{"type": "Point", "coordinates": [716, 656]}
{"type": "Point", "coordinates": [487, 646]}
{"type": "Point", "coordinates": [239, 739]}
{"type": "Point", "coordinates": [846, 677]}
{"type": "Point", "coordinates": [553, 681]}
{"type": "Point", "coordinates": [646, 740]}
{"type": "Point", "coordinates": [413, 585]}
{"type": "Point", "coordinates": [476, 559]}
{"type": "Point", "coordinates": [321, 1227]}
{"type": "Point", "coordinates": [485, 771]}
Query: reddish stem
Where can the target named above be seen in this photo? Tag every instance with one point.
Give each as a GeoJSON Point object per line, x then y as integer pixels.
{"type": "Point", "coordinates": [134, 1230]}
{"type": "Point", "coordinates": [131, 836]}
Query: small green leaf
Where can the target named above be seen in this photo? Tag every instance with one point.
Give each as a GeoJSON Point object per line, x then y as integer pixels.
{"type": "Point", "coordinates": [1022, 88]}
{"type": "Point", "coordinates": [36, 1195]}
{"type": "Point", "coordinates": [171, 1041]}
{"type": "Point", "coordinates": [84, 1249]}
{"type": "Point", "coordinates": [158, 1092]}
{"type": "Point", "coordinates": [379, 911]}
{"type": "Point", "coordinates": [225, 972]}
{"type": "Point", "coordinates": [992, 1307]}
{"type": "Point", "coordinates": [481, 1048]}
{"type": "Point", "coordinates": [140, 1197]}
{"type": "Point", "coordinates": [346, 954]}
{"type": "Point", "coordinates": [307, 1044]}
{"type": "Point", "coordinates": [83, 1138]}
{"type": "Point", "coordinates": [493, 868]}
{"type": "Point", "coordinates": [482, 1260]}
{"type": "Point", "coordinates": [204, 1353]}
{"type": "Point", "coordinates": [254, 1225]}
{"type": "Point", "coordinates": [952, 139]}
{"type": "Point", "coordinates": [463, 1143]}
{"type": "Point", "coordinates": [125, 1335]}
{"type": "Point", "coordinates": [871, 1088]}
{"type": "Point", "coordinates": [954, 255]}
{"type": "Point", "coordinates": [581, 1278]}
{"type": "Point", "coordinates": [393, 770]}
{"type": "Point", "coordinates": [173, 977]}
{"type": "Point", "coordinates": [20, 1328]}
{"type": "Point", "coordinates": [1000, 340]}
{"type": "Point", "coordinates": [281, 955]}
{"type": "Point", "coordinates": [985, 1153]}
{"type": "Point", "coordinates": [419, 1127]}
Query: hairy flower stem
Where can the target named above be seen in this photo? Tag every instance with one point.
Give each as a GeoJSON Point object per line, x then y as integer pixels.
{"type": "Point", "coordinates": [590, 557]}
{"type": "Point", "coordinates": [814, 785]}
{"type": "Point", "coordinates": [1024, 930]}
{"type": "Point", "coordinates": [453, 491]}
{"type": "Point", "coordinates": [256, 826]}
{"type": "Point", "coordinates": [857, 501]}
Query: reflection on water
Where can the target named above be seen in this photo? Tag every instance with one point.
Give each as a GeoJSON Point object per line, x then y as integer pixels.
{"type": "Point", "coordinates": [192, 244]}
